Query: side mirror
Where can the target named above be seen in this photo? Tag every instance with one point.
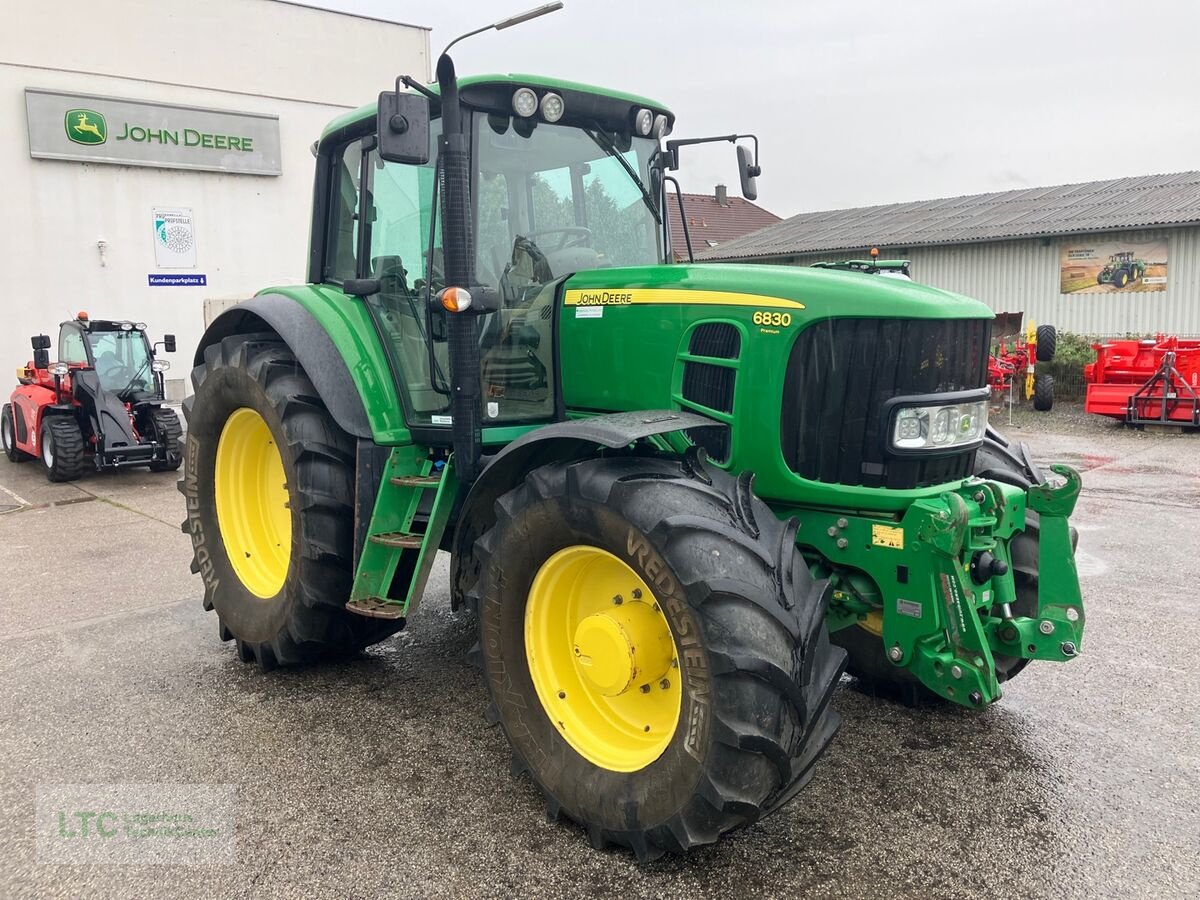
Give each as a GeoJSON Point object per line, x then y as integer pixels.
{"type": "Point", "coordinates": [41, 358]}
{"type": "Point", "coordinates": [40, 342]}
{"type": "Point", "coordinates": [403, 128]}
{"type": "Point", "coordinates": [748, 173]}
{"type": "Point", "coordinates": [169, 343]}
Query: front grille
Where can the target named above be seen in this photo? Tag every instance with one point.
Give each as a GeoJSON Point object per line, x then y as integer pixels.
{"type": "Point", "coordinates": [840, 374]}
{"type": "Point", "coordinates": [712, 387]}
{"type": "Point", "coordinates": [716, 339]}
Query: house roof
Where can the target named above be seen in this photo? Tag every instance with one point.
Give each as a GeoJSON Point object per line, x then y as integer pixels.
{"type": "Point", "coordinates": [1141, 202]}
{"type": "Point", "coordinates": [709, 221]}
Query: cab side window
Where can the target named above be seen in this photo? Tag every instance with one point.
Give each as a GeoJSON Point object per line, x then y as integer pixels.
{"type": "Point", "coordinates": [341, 243]}
{"type": "Point", "coordinates": [70, 346]}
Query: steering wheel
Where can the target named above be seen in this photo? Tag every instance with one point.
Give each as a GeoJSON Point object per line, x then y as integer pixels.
{"type": "Point", "coordinates": [572, 236]}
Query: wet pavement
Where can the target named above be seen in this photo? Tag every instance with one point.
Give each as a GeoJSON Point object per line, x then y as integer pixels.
{"type": "Point", "coordinates": [380, 776]}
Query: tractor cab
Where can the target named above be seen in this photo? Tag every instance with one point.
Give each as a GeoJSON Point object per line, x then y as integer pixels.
{"type": "Point", "coordinates": [119, 352]}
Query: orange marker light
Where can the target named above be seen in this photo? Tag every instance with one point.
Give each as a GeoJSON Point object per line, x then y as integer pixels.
{"type": "Point", "coordinates": [82, 316]}
{"type": "Point", "coordinates": [874, 253]}
{"type": "Point", "coordinates": [455, 299]}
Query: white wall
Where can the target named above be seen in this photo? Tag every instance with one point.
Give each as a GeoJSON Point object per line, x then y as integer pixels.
{"type": "Point", "coordinates": [305, 66]}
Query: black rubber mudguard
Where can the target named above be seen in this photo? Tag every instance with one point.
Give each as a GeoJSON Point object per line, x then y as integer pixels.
{"type": "Point", "coordinates": [310, 343]}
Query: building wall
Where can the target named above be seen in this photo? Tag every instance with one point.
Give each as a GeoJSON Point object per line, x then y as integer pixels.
{"type": "Point", "coordinates": [251, 231]}
{"type": "Point", "coordinates": [1023, 276]}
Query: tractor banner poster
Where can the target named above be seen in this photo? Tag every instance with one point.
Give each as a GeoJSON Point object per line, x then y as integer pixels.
{"type": "Point", "coordinates": [1105, 267]}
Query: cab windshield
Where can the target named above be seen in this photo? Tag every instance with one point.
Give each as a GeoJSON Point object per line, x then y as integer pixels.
{"type": "Point", "coordinates": [553, 200]}
{"type": "Point", "coordinates": [121, 360]}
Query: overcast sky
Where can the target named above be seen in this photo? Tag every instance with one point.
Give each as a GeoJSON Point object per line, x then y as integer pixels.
{"type": "Point", "coordinates": [871, 102]}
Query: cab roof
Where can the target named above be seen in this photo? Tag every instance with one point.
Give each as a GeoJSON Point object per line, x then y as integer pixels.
{"type": "Point", "coordinates": [366, 113]}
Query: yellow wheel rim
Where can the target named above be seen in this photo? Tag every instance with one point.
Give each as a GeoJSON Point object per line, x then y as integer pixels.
{"type": "Point", "coordinates": [873, 623]}
{"type": "Point", "coordinates": [602, 659]}
{"type": "Point", "coordinates": [252, 503]}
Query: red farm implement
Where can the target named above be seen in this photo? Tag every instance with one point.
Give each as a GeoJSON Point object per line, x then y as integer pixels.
{"type": "Point", "coordinates": [1146, 382]}
{"type": "Point", "coordinates": [1015, 350]}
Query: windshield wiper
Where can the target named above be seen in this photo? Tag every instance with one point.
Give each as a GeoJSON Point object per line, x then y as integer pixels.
{"type": "Point", "coordinates": [137, 376]}
{"type": "Point", "coordinates": [604, 142]}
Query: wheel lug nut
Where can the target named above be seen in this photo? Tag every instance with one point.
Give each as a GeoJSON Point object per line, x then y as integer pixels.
{"type": "Point", "coordinates": [645, 688]}
{"type": "Point", "coordinates": [664, 684]}
{"type": "Point", "coordinates": [636, 593]}
{"type": "Point", "coordinates": [618, 600]}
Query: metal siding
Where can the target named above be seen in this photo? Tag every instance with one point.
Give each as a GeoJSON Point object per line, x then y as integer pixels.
{"type": "Point", "coordinates": [1023, 276]}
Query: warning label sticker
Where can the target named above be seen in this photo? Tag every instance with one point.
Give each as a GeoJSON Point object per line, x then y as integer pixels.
{"type": "Point", "coordinates": [887, 536]}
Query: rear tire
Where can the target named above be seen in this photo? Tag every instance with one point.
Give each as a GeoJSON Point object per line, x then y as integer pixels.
{"type": "Point", "coordinates": [1043, 392]}
{"type": "Point", "coordinates": [62, 448]}
{"type": "Point", "coordinates": [169, 433]}
{"type": "Point", "coordinates": [304, 619]}
{"type": "Point", "coordinates": [747, 626]}
{"type": "Point", "coordinates": [8, 435]}
{"type": "Point", "coordinates": [1047, 342]}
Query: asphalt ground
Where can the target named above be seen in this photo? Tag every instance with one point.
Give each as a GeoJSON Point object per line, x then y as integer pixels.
{"type": "Point", "coordinates": [379, 776]}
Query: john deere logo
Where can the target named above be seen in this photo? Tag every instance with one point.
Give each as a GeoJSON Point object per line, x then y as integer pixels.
{"type": "Point", "coordinates": [86, 126]}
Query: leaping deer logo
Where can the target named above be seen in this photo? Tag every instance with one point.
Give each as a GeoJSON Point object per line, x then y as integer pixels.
{"type": "Point", "coordinates": [86, 126]}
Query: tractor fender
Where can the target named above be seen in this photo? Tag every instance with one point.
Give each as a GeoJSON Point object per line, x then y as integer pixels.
{"type": "Point", "coordinates": [574, 439]}
{"type": "Point", "coordinates": [311, 344]}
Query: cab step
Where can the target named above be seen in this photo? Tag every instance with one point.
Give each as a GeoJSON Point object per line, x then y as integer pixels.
{"type": "Point", "coordinates": [417, 481]}
{"type": "Point", "coordinates": [377, 609]}
{"type": "Point", "coordinates": [399, 539]}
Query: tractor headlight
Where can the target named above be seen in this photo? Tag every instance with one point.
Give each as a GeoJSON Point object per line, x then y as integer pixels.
{"type": "Point", "coordinates": [553, 107]}
{"type": "Point", "coordinates": [923, 425]}
{"type": "Point", "coordinates": [525, 102]}
{"type": "Point", "coordinates": [644, 121]}
{"type": "Point", "coordinates": [60, 368]}
{"type": "Point", "coordinates": [127, 326]}
{"type": "Point", "coordinates": [160, 365]}
{"type": "Point", "coordinates": [660, 127]}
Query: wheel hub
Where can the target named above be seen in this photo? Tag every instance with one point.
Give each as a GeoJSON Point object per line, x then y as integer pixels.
{"type": "Point", "coordinates": [602, 658]}
{"type": "Point", "coordinates": [615, 649]}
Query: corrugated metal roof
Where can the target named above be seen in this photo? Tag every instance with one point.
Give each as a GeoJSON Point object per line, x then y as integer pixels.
{"type": "Point", "coordinates": [1141, 202]}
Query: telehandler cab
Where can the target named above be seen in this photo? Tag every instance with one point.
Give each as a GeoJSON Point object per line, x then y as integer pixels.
{"type": "Point", "coordinates": [664, 487]}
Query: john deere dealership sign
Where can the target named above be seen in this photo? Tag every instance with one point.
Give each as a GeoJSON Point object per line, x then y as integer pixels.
{"type": "Point", "coordinates": [142, 133]}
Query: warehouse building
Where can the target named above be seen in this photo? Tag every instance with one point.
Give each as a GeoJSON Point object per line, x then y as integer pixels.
{"type": "Point", "coordinates": [1104, 258]}
{"type": "Point", "coordinates": [159, 155]}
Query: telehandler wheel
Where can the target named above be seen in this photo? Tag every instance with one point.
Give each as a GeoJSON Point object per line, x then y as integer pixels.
{"type": "Point", "coordinates": [655, 649]}
{"type": "Point", "coordinates": [8, 436]}
{"type": "Point", "coordinates": [1043, 392]}
{"type": "Point", "coordinates": [167, 432]}
{"type": "Point", "coordinates": [269, 482]}
{"type": "Point", "coordinates": [864, 643]}
{"type": "Point", "coordinates": [62, 448]}
{"type": "Point", "coordinates": [1047, 342]}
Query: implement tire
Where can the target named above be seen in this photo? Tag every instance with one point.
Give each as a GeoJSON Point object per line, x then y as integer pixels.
{"type": "Point", "coordinates": [645, 557]}
{"type": "Point", "coordinates": [269, 482]}
{"type": "Point", "coordinates": [1047, 342]}
{"type": "Point", "coordinates": [1043, 392]}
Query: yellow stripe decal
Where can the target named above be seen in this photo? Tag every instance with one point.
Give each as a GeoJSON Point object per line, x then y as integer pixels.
{"type": "Point", "coordinates": [673, 296]}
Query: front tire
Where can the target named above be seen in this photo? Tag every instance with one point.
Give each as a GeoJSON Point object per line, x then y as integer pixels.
{"type": "Point", "coordinates": [640, 555]}
{"type": "Point", "coordinates": [62, 448]}
{"type": "Point", "coordinates": [167, 431]}
{"type": "Point", "coordinates": [269, 482]}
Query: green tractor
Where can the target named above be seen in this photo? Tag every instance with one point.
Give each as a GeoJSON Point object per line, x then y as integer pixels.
{"type": "Point", "coordinates": [1122, 269]}
{"type": "Point", "coordinates": [680, 499]}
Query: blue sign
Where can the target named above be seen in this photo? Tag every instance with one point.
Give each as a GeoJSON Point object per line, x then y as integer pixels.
{"type": "Point", "coordinates": [178, 280]}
